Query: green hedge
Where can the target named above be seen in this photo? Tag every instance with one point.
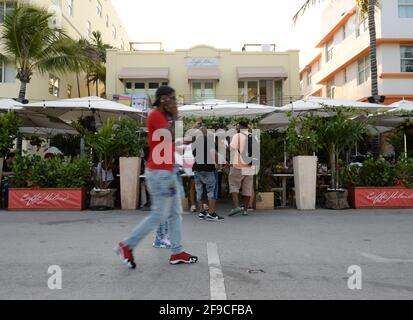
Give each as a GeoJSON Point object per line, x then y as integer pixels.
{"type": "Point", "coordinates": [34, 171]}
{"type": "Point", "coordinates": [379, 173]}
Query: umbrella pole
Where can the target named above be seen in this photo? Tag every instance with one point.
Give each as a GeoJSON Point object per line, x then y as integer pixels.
{"type": "Point", "coordinates": [285, 153]}
{"type": "Point", "coordinates": [405, 146]}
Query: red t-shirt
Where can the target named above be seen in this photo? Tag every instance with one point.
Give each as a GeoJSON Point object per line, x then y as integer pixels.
{"type": "Point", "coordinates": [161, 146]}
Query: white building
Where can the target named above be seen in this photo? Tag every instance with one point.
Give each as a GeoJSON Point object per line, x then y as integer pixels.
{"type": "Point", "coordinates": [340, 68]}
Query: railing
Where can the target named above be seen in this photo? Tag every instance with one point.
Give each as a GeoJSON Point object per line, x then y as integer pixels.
{"type": "Point", "coordinates": [263, 46]}
{"type": "Point", "coordinates": [134, 46]}
{"type": "Point", "coordinates": [275, 102]}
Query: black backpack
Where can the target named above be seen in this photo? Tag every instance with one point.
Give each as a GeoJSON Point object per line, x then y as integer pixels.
{"type": "Point", "coordinates": [251, 139]}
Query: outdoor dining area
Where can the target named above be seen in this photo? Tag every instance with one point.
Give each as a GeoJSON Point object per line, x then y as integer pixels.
{"type": "Point", "coordinates": [315, 152]}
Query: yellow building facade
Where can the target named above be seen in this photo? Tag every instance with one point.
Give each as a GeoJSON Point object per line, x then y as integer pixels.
{"type": "Point", "coordinates": [204, 72]}
{"type": "Point", "coordinates": [79, 18]}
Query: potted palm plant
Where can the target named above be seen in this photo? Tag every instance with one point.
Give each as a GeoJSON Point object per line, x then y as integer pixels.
{"type": "Point", "coordinates": [303, 143]}
{"type": "Point", "coordinates": [132, 140]}
{"type": "Point", "coordinates": [104, 147]}
{"type": "Point", "coordinates": [338, 133]}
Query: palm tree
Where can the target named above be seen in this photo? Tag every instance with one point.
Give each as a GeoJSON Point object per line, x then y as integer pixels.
{"type": "Point", "coordinates": [366, 7]}
{"type": "Point", "coordinates": [95, 53]}
{"type": "Point", "coordinates": [369, 7]}
{"type": "Point", "coordinates": [34, 46]}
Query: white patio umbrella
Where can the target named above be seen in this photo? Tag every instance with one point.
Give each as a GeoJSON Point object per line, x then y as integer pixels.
{"type": "Point", "coordinates": [398, 112]}
{"type": "Point", "coordinates": [9, 104]}
{"type": "Point", "coordinates": [315, 104]}
{"type": "Point", "coordinates": [402, 105]}
{"type": "Point", "coordinates": [214, 107]}
{"type": "Point", "coordinates": [70, 110]}
{"type": "Point", "coordinates": [32, 119]}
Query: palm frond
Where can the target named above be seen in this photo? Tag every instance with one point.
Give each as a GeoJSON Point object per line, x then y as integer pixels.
{"type": "Point", "coordinates": [28, 37]}
{"type": "Point", "coordinates": [307, 5]}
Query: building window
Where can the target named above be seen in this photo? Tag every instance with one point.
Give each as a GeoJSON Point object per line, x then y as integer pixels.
{"type": "Point", "coordinates": [330, 89]}
{"type": "Point", "coordinates": [345, 79]}
{"type": "Point", "coordinates": [310, 77]}
{"type": "Point", "coordinates": [122, 45]}
{"type": "Point", "coordinates": [89, 29]}
{"type": "Point", "coordinates": [143, 88]}
{"type": "Point", "coordinates": [6, 7]}
{"type": "Point", "coordinates": [98, 8]}
{"type": "Point", "coordinates": [267, 92]}
{"type": "Point", "coordinates": [114, 32]}
{"type": "Point", "coordinates": [70, 7]}
{"type": "Point", "coordinates": [7, 73]}
{"type": "Point", "coordinates": [363, 66]}
{"type": "Point", "coordinates": [128, 88]}
{"type": "Point", "coordinates": [405, 8]}
{"type": "Point", "coordinates": [54, 86]}
{"type": "Point", "coordinates": [406, 58]}
{"type": "Point", "coordinates": [69, 91]}
{"type": "Point", "coordinates": [344, 32]}
{"type": "Point", "coordinates": [363, 25]}
{"type": "Point", "coordinates": [329, 50]}
{"type": "Point", "coordinates": [107, 21]}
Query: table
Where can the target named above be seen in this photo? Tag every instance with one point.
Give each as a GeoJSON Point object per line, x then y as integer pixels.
{"type": "Point", "coordinates": [284, 177]}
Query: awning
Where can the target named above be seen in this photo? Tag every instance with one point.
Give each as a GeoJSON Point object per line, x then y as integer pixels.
{"type": "Point", "coordinates": [262, 72]}
{"type": "Point", "coordinates": [203, 74]}
{"type": "Point", "coordinates": [144, 73]}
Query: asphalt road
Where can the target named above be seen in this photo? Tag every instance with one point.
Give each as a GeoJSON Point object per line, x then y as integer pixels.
{"type": "Point", "coordinates": [282, 254]}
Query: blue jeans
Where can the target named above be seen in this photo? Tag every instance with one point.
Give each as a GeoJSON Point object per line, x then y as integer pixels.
{"type": "Point", "coordinates": [162, 231]}
{"type": "Point", "coordinates": [163, 186]}
{"type": "Point", "coordinates": [209, 180]}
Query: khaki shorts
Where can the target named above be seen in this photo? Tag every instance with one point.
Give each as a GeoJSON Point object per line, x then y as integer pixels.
{"type": "Point", "coordinates": [237, 180]}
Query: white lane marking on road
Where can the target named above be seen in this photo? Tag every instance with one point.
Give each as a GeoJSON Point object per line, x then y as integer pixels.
{"type": "Point", "coordinates": [216, 277]}
{"type": "Point", "coordinates": [379, 259]}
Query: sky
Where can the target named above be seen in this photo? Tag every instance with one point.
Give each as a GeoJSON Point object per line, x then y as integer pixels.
{"type": "Point", "coordinates": [181, 24]}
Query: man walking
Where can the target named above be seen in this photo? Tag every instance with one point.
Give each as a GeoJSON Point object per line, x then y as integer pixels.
{"type": "Point", "coordinates": [162, 182]}
{"type": "Point", "coordinates": [205, 174]}
{"type": "Point", "coordinates": [241, 174]}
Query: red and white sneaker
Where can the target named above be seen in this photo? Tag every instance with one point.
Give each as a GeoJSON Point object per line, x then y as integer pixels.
{"type": "Point", "coordinates": [183, 257]}
{"type": "Point", "coordinates": [126, 255]}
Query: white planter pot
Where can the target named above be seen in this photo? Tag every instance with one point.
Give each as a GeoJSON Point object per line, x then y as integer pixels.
{"type": "Point", "coordinates": [130, 169]}
{"type": "Point", "coordinates": [305, 180]}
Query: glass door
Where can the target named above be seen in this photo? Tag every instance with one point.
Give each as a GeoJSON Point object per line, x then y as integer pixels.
{"type": "Point", "coordinates": [202, 90]}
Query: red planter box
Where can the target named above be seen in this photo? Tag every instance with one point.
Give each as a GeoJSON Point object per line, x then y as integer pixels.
{"type": "Point", "coordinates": [47, 199]}
{"type": "Point", "coordinates": [381, 197]}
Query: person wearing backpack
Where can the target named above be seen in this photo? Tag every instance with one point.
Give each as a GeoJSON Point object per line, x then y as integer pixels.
{"type": "Point", "coordinates": [241, 175]}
